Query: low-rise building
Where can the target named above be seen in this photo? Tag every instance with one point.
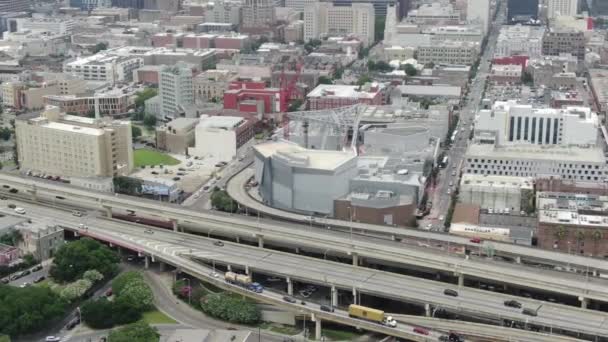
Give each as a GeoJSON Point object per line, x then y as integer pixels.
{"type": "Point", "coordinates": [498, 193]}
{"type": "Point", "coordinates": [212, 84]}
{"type": "Point", "coordinates": [573, 223]}
{"type": "Point", "coordinates": [560, 99]}
{"type": "Point", "coordinates": [544, 69]}
{"type": "Point", "coordinates": [220, 137]}
{"type": "Point", "coordinates": [327, 96]}
{"type": "Point", "coordinates": [521, 40]}
{"type": "Point", "coordinates": [255, 97]}
{"type": "Point", "coordinates": [104, 67]}
{"type": "Point", "coordinates": [177, 135]}
{"type": "Point", "coordinates": [506, 74]}
{"type": "Point", "coordinates": [8, 254]}
{"type": "Point", "coordinates": [449, 52]}
{"type": "Point", "coordinates": [564, 40]}
{"type": "Point", "coordinates": [41, 241]}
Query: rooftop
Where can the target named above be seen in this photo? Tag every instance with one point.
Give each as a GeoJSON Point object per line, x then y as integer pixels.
{"type": "Point", "coordinates": [540, 152]}
{"type": "Point", "coordinates": [300, 157]}
{"type": "Point", "coordinates": [572, 209]}
{"type": "Point", "coordinates": [334, 90]}
{"type": "Point", "coordinates": [227, 122]}
{"type": "Point", "coordinates": [497, 181]}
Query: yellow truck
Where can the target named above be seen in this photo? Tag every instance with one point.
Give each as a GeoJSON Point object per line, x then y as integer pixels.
{"type": "Point", "coordinates": [369, 314]}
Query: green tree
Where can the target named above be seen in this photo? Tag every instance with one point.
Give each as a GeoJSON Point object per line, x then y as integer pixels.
{"type": "Point", "coordinates": [150, 120]}
{"type": "Point", "coordinates": [138, 295]}
{"type": "Point", "coordinates": [295, 105]}
{"type": "Point", "coordinates": [223, 202]}
{"type": "Point", "coordinates": [135, 132]}
{"type": "Point", "coordinates": [93, 276]}
{"type": "Point", "coordinates": [230, 308]}
{"type": "Point", "coordinates": [380, 66]}
{"type": "Point", "coordinates": [11, 237]}
{"type": "Point", "coordinates": [561, 233]}
{"type": "Point", "coordinates": [98, 314]}
{"type": "Point", "coordinates": [73, 259]}
{"type": "Point", "coordinates": [119, 283]}
{"type": "Point", "coordinates": [580, 237]}
{"type": "Point", "coordinates": [100, 47]}
{"type": "Point", "coordinates": [76, 289]}
{"type": "Point", "coordinates": [136, 332]}
{"type": "Point", "coordinates": [144, 95]}
{"type": "Point", "coordinates": [363, 79]}
{"type": "Point", "coordinates": [325, 80]}
{"type": "Point", "coordinates": [526, 78]}
{"type": "Point", "coordinates": [410, 70]}
{"type": "Point", "coordinates": [28, 310]}
{"type": "Point", "coordinates": [5, 133]}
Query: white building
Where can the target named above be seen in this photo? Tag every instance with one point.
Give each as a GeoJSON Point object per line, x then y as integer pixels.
{"type": "Point", "coordinates": [323, 19]}
{"type": "Point", "coordinates": [220, 137]}
{"type": "Point", "coordinates": [520, 40]}
{"type": "Point", "coordinates": [298, 5]}
{"type": "Point", "coordinates": [228, 12]}
{"type": "Point", "coordinates": [104, 67]}
{"type": "Point", "coordinates": [436, 13]}
{"type": "Point", "coordinates": [556, 8]}
{"type": "Point", "coordinates": [175, 89]}
{"type": "Point", "coordinates": [478, 12]}
{"type": "Point", "coordinates": [509, 123]}
{"type": "Point", "coordinates": [502, 194]}
{"type": "Point", "coordinates": [56, 25]}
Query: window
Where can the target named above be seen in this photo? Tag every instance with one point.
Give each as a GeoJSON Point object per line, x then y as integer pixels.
{"type": "Point", "coordinates": [540, 131]}
{"type": "Point", "coordinates": [526, 128]}
{"type": "Point", "coordinates": [518, 128]}
{"type": "Point", "coordinates": [547, 134]}
{"type": "Point", "coordinates": [511, 127]}
{"type": "Point", "coordinates": [533, 137]}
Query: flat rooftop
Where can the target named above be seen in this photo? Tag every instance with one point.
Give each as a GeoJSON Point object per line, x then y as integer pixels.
{"type": "Point", "coordinates": [334, 90]}
{"type": "Point", "coordinates": [495, 181]}
{"type": "Point", "coordinates": [573, 209]}
{"type": "Point", "coordinates": [539, 152]}
{"type": "Point", "coordinates": [300, 157]}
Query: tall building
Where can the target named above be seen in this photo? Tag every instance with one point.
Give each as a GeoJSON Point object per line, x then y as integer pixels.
{"type": "Point", "coordinates": [258, 13]}
{"type": "Point", "coordinates": [556, 8]}
{"type": "Point", "coordinates": [478, 11]}
{"type": "Point", "coordinates": [176, 89]}
{"type": "Point", "coordinates": [104, 67]}
{"type": "Point", "coordinates": [225, 12]}
{"type": "Point", "coordinates": [564, 40]}
{"type": "Point", "coordinates": [379, 5]}
{"type": "Point", "coordinates": [522, 10]}
{"type": "Point", "coordinates": [73, 146]}
{"type": "Point", "coordinates": [137, 4]}
{"type": "Point", "coordinates": [14, 5]}
{"type": "Point", "coordinates": [87, 5]}
{"type": "Point", "coordinates": [326, 19]}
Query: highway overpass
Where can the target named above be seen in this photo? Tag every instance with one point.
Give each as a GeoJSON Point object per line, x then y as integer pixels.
{"type": "Point", "coordinates": [381, 250]}
{"type": "Point", "coordinates": [179, 249]}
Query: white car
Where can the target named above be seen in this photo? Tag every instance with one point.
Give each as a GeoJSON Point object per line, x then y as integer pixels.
{"type": "Point", "coordinates": [20, 211]}
{"type": "Point", "coordinates": [441, 218]}
{"type": "Point", "coordinates": [52, 339]}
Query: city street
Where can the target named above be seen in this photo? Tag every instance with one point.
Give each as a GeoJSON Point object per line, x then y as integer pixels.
{"type": "Point", "coordinates": [451, 173]}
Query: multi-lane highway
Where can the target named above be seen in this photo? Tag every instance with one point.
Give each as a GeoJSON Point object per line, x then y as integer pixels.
{"type": "Point", "coordinates": [178, 248]}
{"type": "Point", "coordinates": [336, 242]}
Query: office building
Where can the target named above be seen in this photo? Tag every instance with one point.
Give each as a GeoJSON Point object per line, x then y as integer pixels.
{"type": "Point", "coordinates": [87, 5]}
{"type": "Point", "coordinates": [573, 223]}
{"type": "Point", "coordinates": [520, 40]}
{"type": "Point", "coordinates": [14, 5]}
{"type": "Point", "coordinates": [327, 96]}
{"type": "Point", "coordinates": [449, 52]}
{"type": "Point", "coordinates": [519, 11]}
{"type": "Point", "coordinates": [255, 97]}
{"type": "Point", "coordinates": [177, 135]}
{"type": "Point", "coordinates": [221, 137]}
{"type": "Point", "coordinates": [299, 5]}
{"type": "Point", "coordinates": [563, 40]}
{"type": "Point", "coordinates": [380, 6]}
{"type": "Point", "coordinates": [63, 26]}
{"type": "Point", "coordinates": [175, 89]}
{"type": "Point", "coordinates": [72, 146]}
{"type": "Point", "coordinates": [510, 123]}
{"type": "Point", "coordinates": [326, 19]}
{"type": "Point", "coordinates": [136, 4]}
{"type": "Point", "coordinates": [435, 13]}
{"type": "Point", "coordinates": [227, 12]}
{"type": "Point", "coordinates": [502, 194]}
{"type": "Point", "coordinates": [104, 67]}
{"type": "Point", "coordinates": [212, 84]}
{"type": "Point", "coordinates": [478, 12]}
{"type": "Point", "coordinates": [556, 8]}
{"type": "Point", "coordinates": [258, 14]}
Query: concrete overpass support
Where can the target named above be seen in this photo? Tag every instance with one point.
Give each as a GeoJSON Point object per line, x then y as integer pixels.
{"type": "Point", "coordinates": [460, 279]}
{"type": "Point", "coordinates": [318, 329]}
{"type": "Point", "coordinates": [355, 296]}
{"type": "Point", "coordinates": [355, 259]}
{"type": "Point", "coordinates": [161, 266]}
{"type": "Point", "coordinates": [33, 194]}
{"type": "Point", "coordinates": [247, 270]}
{"type": "Point", "coordinates": [147, 262]}
{"type": "Point", "coordinates": [261, 241]}
{"type": "Point", "coordinates": [334, 296]}
{"type": "Point", "coordinates": [427, 310]}
{"type": "Point", "coordinates": [289, 286]}
{"type": "Point", "coordinates": [518, 259]}
{"type": "Point", "coordinates": [584, 302]}
{"type": "Point", "coordinates": [175, 225]}
{"type": "Point", "coordinates": [108, 210]}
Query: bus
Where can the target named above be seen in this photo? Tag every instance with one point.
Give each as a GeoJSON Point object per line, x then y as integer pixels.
{"type": "Point", "coordinates": [444, 162]}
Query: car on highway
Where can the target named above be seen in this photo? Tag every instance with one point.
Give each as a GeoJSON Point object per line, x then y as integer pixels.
{"type": "Point", "coordinates": [13, 191]}
{"type": "Point", "coordinates": [326, 308]}
{"type": "Point", "coordinates": [77, 213]}
{"type": "Point", "coordinates": [513, 304]}
{"type": "Point", "coordinates": [6, 186]}
{"type": "Point", "coordinates": [449, 191]}
{"type": "Point", "coordinates": [11, 206]}
{"type": "Point", "coordinates": [20, 211]}
{"type": "Point", "coordinates": [450, 292]}
{"type": "Point", "coordinates": [289, 299]}
{"type": "Point", "coordinates": [60, 197]}
{"type": "Point", "coordinates": [529, 312]}
{"type": "Point", "coordinates": [218, 243]}
{"type": "Point", "coordinates": [148, 231]}
{"type": "Point", "coordinates": [52, 339]}
{"type": "Point", "coordinates": [475, 240]}
{"type": "Point", "coordinates": [421, 331]}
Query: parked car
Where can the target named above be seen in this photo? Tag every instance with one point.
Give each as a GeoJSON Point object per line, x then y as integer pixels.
{"type": "Point", "coordinates": [26, 272]}
{"type": "Point", "coordinates": [36, 268]}
{"type": "Point", "coordinates": [39, 279]}
{"type": "Point", "coordinates": [108, 292]}
{"type": "Point", "coordinates": [52, 339]}
{"type": "Point", "coordinates": [4, 280]}
{"type": "Point", "coordinates": [450, 292]}
{"type": "Point", "coordinates": [421, 331]}
{"type": "Point", "coordinates": [327, 308]}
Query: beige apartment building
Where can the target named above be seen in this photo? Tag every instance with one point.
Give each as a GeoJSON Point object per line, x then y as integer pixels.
{"type": "Point", "coordinates": [72, 146]}
{"type": "Point", "coordinates": [324, 19]}
{"type": "Point", "coordinates": [449, 52]}
{"type": "Point", "coordinates": [212, 83]}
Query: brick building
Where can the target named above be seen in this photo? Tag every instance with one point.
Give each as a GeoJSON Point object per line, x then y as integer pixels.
{"type": "Point", "coordinates": [326, 96]}
{"type": "Point", "coordinates": [254, 97]}
{"type": "Point", "coordinates": [557, 41]}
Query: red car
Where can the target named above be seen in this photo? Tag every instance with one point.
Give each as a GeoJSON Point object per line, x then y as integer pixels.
{"type": "Point", "coordinates": [475, 240]}
{"type": "Point", "coordinates": [421, 331]}
{"type": "Point", "coordinates": [109, 293]}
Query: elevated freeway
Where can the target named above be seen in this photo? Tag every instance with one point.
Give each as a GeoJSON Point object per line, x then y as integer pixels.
{"type": "Point", "coordinates": [357, 247]}
{"type": "Point", "coordinates": [181, 250]}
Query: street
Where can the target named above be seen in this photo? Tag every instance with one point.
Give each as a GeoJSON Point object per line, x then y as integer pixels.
{"type": "Point", "coordinates": [451, 173]}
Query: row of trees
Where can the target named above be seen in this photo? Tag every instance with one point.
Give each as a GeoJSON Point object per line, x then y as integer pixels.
{"type": "Point", "coordinates": [132, 297]}
{"type": "Point", "coordinates": [74, 259]}
{"type": "Point", "coordinates": [136, 332]}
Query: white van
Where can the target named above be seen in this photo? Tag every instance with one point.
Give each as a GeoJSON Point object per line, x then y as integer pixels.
{"type": "Point", "coordinates": [19, 210]}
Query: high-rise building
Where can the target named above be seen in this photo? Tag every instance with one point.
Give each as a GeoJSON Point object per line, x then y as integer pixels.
{"type": "Point", "coordinates": [324, 18]}
{"type": "Point", "coordinates": [478, 11]}
{"type": "Point", "coordinates": [258, 13]}
{"type": "Point", "coordinates": [563, 40]}
{"type": "Point", "coordinates": [556, 8]}
{"type": "Point", "coordinates": [87, 5]}
{"type": "Point", "coordinates": [137, 4]}
{"type": "Point", "coordinates": [74, 146]}
{"type": "Point", "coordinates": [14, 5]}
{"type": "Point", "coordinates": [176, 89]}
{"type": "Point", "coordinates": [522, 10]}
